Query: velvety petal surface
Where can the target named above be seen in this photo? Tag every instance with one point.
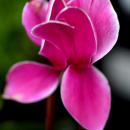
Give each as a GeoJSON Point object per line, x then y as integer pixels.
{"type": "Point", "coordinates": [76, 38]}
{"type": "Point", "coordinates": [86, 95]}
{"type": "Point", "coordinates": [28, 82]}
{"type": "Point", "coordinates": [84, 45]}
{"type": "Point", "coordinates": [58, 33]}
{"type": "Point", "coordinates": [105, 21]}
{"type": "Point", "coordinates": [34, 12]}
{"type": "Point", "coordinates": [38, 11]}
{"type": "Point", "coordinates": [56, 8]}
{"type": "Point", "coordinates": [54, 55]}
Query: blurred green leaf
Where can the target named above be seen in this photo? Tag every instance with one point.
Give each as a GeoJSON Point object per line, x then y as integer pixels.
{"type": "Point", "coordinates": [1, 103]}
{"type": "Point", "coordinates": [10, 125]}
{"type": "Point", "coordinates": [65, 124]}
{"type": "Point", "coordinates": [15, 45]}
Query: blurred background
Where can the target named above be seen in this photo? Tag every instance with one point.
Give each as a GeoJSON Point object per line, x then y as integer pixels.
{"type": "Point", "coordinates": [15, 46]}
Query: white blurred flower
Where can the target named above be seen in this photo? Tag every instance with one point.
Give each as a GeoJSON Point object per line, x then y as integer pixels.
{"type": "Point", "coordinates": [117, 68]}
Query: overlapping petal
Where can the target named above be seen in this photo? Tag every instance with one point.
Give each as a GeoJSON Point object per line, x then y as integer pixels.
{"type": "Point", "coordinates": [86, 95]}
{"type": "Point", "coordinates": [105, 21]}
{"type": "Point", "coordinates": [34, 12]}
{"type": "Point", "coordinates": [28, 82]}
{"type": "Point", "coordinates": [76, 38]}
{"type": "Point", "coordinates": [84, 36]}
{"type": "Point", "coordinates": [57, 58]}
{"type": "Point", "coordinates": [58, 33]}
{"type": "Point", "coordinates": [54, 55]}
{"type": "Point", "coordinates": [38, 11]}
{"type": "Point", "coordinates": [56, 8]}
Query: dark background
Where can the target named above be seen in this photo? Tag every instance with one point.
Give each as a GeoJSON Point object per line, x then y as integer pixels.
{"type": "Point", "coordinates": [15, 46]}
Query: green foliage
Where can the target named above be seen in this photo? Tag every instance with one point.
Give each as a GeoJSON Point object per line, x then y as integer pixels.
{"type": "Point", "coordinates": [27, 125]}
{"type": "Point", "coordinates": [14, 44]}
{"type": "Point", "coordinates": [1, 103]}
{"type": "Point", "coordinates": [65, 124]}
{"type": "Point", "coordinates": [10, 125]}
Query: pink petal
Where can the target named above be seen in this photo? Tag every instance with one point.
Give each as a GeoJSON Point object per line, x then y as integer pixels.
{"type": "Point", "coordinates": [34, 13]}
{"type": "Point", "coordinates": [57, 58]}
{"type": "Point", "coordinates": [76, 39]}
{"type": "Point", "coordinates": [55, 7]}
{"type": "Point", "coordinates": [86, 95]}
{"type": "Point", "coordinates": [38, 11]}
{"type": "Point", "coordinates": [66, 1]}
{"type": "Point", "coordinates": [105, 22]}
{"type": "Point", "coordinates": [28, 82]}
{"type": "Point", "coordinates": [57, 33]}
{"type": "Point", "coordinates": [54, 55]}
{"type": "Point", "coordinates": [85, 37]}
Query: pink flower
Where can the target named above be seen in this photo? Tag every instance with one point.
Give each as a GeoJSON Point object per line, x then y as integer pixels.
{"type": "Point", "coordinates": [73, 34]}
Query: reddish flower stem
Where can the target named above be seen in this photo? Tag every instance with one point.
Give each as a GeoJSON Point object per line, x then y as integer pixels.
{"type": "Point", "coordinates": [50, 113]}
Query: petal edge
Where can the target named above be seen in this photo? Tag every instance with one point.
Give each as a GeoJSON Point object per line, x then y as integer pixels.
{"type": "Point", "coordinates": [86, 95]}
{"type": "Point", "coordinates": [29, 82]}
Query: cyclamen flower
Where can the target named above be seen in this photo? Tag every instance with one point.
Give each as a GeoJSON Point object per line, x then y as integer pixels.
{"type": "Point", "coordinates": [73, 34]}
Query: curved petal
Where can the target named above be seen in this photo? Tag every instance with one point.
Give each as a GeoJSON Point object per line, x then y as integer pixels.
{"type": "Point", "coordinates": [85, 37]}
{"type": "Point", "coordinates": [58, 5]}
{"type": "Point", "coordinates": [54, 55]}
{"type": "Point", "coordinates": [38, 11]}
{"type": "Point", "coordinates": [105, 21]}
{"type": "Point", "coordinates": [86, 95]}
{"type": "Point", "coordinates": [76, 39]}
{"type": "Point", "coordinates": [57, 58]}
{"type": "Point", "coordinates": [28, 82]}
{"type": "Point", "coordinates": [34, 12]}
{"type": "Point", "coordinates": [57, 33]}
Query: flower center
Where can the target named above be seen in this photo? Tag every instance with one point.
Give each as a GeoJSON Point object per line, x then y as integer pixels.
{"type": "Point", "coordinates": [80, 64]}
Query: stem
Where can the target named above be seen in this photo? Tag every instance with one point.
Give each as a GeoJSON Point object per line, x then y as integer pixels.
{"type": "Point", "coordinates": [50, 113]}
